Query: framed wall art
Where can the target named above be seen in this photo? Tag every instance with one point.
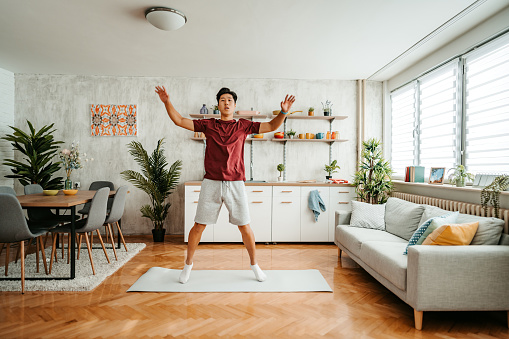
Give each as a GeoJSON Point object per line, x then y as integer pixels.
{"type": "Point", "coordinates": [436, 175]}
{"type": "Point", "coordinates": [114, 120]}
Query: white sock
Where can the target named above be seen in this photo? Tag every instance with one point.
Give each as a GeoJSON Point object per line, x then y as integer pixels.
{"type": "Point", "coordinates": [184, 275]}
{"type": "Point", "coordinates": [260, 276]}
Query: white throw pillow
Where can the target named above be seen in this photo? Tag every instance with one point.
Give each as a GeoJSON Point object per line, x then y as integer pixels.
{"type": "Point", "coordinates": [368, 216]}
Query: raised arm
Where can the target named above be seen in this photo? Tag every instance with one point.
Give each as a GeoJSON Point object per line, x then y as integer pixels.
{"type": "Point", "coordinates": [274, 124]}
{"type": "Point", "coordinates": [172, 112]}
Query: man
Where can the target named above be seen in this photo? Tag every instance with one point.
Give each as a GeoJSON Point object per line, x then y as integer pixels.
{"type": "Point", "coordinates": [224, 170]}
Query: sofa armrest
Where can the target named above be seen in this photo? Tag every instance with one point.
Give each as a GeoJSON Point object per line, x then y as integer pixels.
{"type": "Point", "coordinates": [342, 218]}
{"type": "Point", "coordinates": [458, 278]}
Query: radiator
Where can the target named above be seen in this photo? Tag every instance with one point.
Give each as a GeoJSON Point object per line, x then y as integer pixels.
{"type": "Point", "coordinates": [452, 205]}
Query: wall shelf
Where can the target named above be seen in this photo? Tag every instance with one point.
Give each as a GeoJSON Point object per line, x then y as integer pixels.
{"type": "Point", "coordinates": [310, 140]}
{"type": "Point", "coordinates": [237, 116]}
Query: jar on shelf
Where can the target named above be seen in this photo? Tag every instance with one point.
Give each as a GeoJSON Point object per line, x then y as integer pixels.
{"type": "Point", "coordinates": [204, 110]}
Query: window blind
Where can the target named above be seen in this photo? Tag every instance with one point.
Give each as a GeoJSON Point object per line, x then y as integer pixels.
{"type": "Point", "coordinates": [487, 108]}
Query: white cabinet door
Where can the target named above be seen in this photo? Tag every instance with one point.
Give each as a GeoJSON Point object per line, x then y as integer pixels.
{"type": "Point", "coordinates": [340, 199]}
{"type": "Point", "coordinates": [260, 209]}
{"type": "Point", "coordinates": [286, 213]}
{"type": "Point", "coordinates": [191, 203]}
{"type": "Point", "coordinates": [311, 230]}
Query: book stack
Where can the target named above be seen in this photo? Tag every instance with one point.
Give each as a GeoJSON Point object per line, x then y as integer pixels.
{"type": "Point", "coordinates": [414, 174]}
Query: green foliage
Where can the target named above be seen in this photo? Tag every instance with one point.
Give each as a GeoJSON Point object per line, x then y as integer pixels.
{"type": "Point", "coordinates": [38, 148]}
{"type": "Point", "coordinates": [155, 179]}
{"type": "Point", "coordinates": [280, 168]}
{"type": "Point", "coordinates": [372, 181]}
{"type": "Point", "coordinates": [491, 194]}
{"type": "Point", "coordinates": [311, 109]}
{"type": "Point", "coordinates": [291, 132]}
{"type": "Point", "coordinates": [332, 167]}
{"type": "Point", "coordinates": [459, 175]}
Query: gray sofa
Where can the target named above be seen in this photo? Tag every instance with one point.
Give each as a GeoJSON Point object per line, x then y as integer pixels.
{"type": "Point", "coordinates": [431, 278]}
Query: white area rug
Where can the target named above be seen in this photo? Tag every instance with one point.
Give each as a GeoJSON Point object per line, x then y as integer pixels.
{"type": "Point", "coordinates": [84, 281]}
{"type": "Point", "coordinates": [158, 279]}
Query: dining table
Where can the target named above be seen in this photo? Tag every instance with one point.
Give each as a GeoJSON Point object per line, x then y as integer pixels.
{"type": "Point", "coordinates": [60, 201]}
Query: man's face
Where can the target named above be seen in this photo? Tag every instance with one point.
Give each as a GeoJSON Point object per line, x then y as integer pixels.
{"type": "Point", "coordinates": [227, 104]}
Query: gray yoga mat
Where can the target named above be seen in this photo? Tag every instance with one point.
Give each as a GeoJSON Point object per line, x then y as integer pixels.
{"type": "Point", "coordinates": [158, 279]}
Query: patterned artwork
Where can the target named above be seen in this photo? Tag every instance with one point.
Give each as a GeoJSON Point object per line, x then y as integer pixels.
{"type": "Point", "coordinates": [114, 120]}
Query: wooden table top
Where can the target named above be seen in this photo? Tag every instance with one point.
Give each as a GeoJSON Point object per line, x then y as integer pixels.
{"type": "Point", "coordinates": [58, 201]}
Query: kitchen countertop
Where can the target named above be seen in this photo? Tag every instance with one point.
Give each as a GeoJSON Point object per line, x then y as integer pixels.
{"type": "Point", "coordinates": [278, 183]}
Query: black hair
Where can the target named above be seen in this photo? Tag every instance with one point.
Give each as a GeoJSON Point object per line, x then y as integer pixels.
{"type": "Point", "coordinates": [225, 90]}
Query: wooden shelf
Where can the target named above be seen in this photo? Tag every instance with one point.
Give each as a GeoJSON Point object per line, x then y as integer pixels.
{"type": "Point", "coordinates": [247, 139]}
{"type": "Point", "coordinates": [247, 116]}
{"type": "Point", "coordinates": [333, 117]}
{"type": "Point", "coordinates": [311, 140]}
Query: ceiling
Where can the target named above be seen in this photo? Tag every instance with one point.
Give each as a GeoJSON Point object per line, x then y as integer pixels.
{"type": "Point", "coordinates": [283, 39]}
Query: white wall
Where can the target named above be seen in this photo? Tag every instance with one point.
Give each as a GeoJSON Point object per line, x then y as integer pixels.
{"type": "Point", "coordinates": [65, 100]}
{"type": "Point", "coordinates": [6, 120]}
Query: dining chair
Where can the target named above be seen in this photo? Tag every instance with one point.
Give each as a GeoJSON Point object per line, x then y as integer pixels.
{"type": "Point", "coordinates": [116, 212]}
{"type": "Point", "coordinates": [94, 186]}
{"type": "Point", "coordinates": [96, 218]}
{"type": "Point", "coordinates": [14, 228]}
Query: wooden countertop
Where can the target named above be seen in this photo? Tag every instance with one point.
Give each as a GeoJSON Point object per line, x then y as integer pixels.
{"type": "Point", "coordinates": [279, 183]}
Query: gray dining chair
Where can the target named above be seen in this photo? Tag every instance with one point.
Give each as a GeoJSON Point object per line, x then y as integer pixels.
{"type": "Point", "coordinates": [96, 218]}
{"type": "Point", "coordinates": [116, 212]}
{"type": "Point", "coordinates": [14, 228]}
{"type": "Point", "coordinates": [7, 190]}
{"type": "Point", "coordinates": [94, 186]}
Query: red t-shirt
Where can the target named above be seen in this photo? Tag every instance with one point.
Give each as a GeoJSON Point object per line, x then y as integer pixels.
{"type": "Point", "coordinates": [224, 154]}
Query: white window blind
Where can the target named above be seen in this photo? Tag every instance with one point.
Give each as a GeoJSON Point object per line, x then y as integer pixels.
{"type": "Point", "coordinates": [403, 107]}
{"type": "Point", "coordinates": [438, 112]}
{"type": "Point", "coordinates": [487, 108]}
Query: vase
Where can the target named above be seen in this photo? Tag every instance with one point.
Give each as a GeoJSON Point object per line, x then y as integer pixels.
{"type": "Point", "coordinates": [158, 234]}
{"type": "Point", "coordinates": [68, 183]}
{"type": "Point", "coordinates": [460, 182]}
{"type": "Point", "coordinates": [204, 110]}
{"type": "Point", "coordinates": [216, 111]}
{"type": "Point", "coordinates": [326, 113]}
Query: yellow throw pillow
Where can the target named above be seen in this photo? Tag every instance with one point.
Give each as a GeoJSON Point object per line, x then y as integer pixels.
{"type": "Point", "coordinates": [453, 234]}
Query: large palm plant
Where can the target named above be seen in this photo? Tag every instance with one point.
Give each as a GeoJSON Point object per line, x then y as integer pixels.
{"type": "Point", "coordinates": [155, 179]}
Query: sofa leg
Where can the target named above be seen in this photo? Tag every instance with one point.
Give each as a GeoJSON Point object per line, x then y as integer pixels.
{"type": "Point", "coordinates": [418, 319]}
{"type": "Point", "coordinates": [507, 318]}
{"type": "Point", "coordinates": [339, 252]}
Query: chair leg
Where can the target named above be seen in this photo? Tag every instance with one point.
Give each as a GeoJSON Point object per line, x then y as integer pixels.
{"type": "Point", "coordinates": [121, 235]}
{"type": "Point", "coordinates": [106, 231]}
{"type": "Point", "coordinates": [22, 246]}
{"type": "Point", "coordinates": [17, 255]}
{"type": "Point", "coordinates": [37, 253]}
{"type": "Point", "coordinates": [92, 239]}
{"type": "Point", "coordinates": [418, 315]}
{"type": "Point", "coordinates": [2, 248]}
{"type": "Point", "coordinates": [89, 252]}
{"type": "Point", "coordinates": [112, 241]}
{"type": "Point", "coordinates": [7, 258]}
{"type": "Point", "coordinates": [79, 245]}
{"type": "Point", "coordinates": [53, 252]}
{"type": "Point", "coordinates": [62, 241]}
{"type": "Point", "coordinates": [43, 254]}
{"type": "Point", "coordinates": [45, 239]}
{"type": "Point", "coordinates": [102, 244]}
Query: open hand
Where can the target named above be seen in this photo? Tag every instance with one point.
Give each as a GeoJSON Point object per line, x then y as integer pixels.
{"type": "Point", "coordinates": [163, 95]}
{"type": "Point", "coordinates": [287, 104]}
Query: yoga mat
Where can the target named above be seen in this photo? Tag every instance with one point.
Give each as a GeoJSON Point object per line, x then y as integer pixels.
{"type": "Point", "coordinates": [158, 279]}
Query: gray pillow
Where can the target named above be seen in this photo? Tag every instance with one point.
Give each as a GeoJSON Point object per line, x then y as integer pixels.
{"type": "Point", "coordinates": [488, 232]}
{"type": "Point", "coordinates": [432, 212]}
{"type": "Point", "coordinates": [367, 216]}
{"type": "Point", "coordinates": [402, 217]}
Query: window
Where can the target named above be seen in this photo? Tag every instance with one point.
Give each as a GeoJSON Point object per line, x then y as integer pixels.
{"type": "Point", "coordinates": [456, 114]}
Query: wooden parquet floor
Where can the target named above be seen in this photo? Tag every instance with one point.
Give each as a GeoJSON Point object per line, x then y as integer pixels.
{"type": "Point", "coordinates": [360, 307]}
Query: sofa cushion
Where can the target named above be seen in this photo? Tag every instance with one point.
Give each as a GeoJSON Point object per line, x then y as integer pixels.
{"type": "Point", "coordinates": [489, 230]}
{"type": "Point", "coordinates": [454, 234]}
{"type": "Point", "coordinates": [431, 212]}
{"type": "Point", "coordinates": [402, 217]}
{"type": "Point", "coordinates": [368, 215]}
{"type": "Point", "coordinates": [429, 226]}
{"type": "Point", "coordinates": [352, 237]}
{"type": "Point", "coordinates": [387, 259]}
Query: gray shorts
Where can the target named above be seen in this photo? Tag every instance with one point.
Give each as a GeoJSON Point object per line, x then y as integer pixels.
{"type": "Point", "coordinates": [214, 193]}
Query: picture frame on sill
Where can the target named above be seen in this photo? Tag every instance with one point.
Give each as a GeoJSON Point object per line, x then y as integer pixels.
{"type": "Point", "coordinates": [436, 175]}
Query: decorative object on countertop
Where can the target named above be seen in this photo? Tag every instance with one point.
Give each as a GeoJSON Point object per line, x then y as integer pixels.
{"type": "Point", "coordinates": [50, 192]}
{"type": "Point", "coordinates": [327, 108]}
{"type": "Point", "coordinates": [204, 110]}
{"type": "Point", "coordinates": [71, 160]}
{"type": "Point", "coordinates": [331, 168]}
{"type": "Point", "coordinates": [491, 194]}
{"type": "Point", "coordinates": [311, 111]}
{"type": "Point", "coordinates": [459, 175]}
{"type": "Point", "coordinates": [436, 175]}
{"type": "Point", "coordinates": [38, 149]}
{"type": "Point", "coordinates": [320, 135]}
{"type": "Point", "coordinates": [372, 181]}
{"type": "Point", "coordinates": [291, 133]}
{"type": "Point", "coordinates": [281, 169]}
{"type": "Point", "coordinates": [157, 181]}
{"type": "Point", "coordinates": [216, 109]}
{"type": "Point", "coordinates": [69, 192]}
{"type": "Point", "coordinates": [279, 135]}
{"type": "Point", "coordinates": [114, 120]}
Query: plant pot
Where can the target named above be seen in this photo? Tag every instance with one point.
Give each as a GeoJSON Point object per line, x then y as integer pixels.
{"type": "Point", "coordinates": [291, 136]}
{"type": "Point", "coordinates": [311, 113]}
{"type": "Point", "coordinates": [328, 177]}
{"type": "Point", "coordinates": [460, 182]}
{"type": "Point", "coordinates": [279, 178]}
{"type": "Point", "coordinates": [158, 235]}
{"type": "Point", "coordinates": [326, 113]}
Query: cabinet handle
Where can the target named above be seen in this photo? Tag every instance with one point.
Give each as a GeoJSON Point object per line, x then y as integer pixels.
{"type": "Point", "coordinates": [257, 202]}
{"type": "Point", "coordinates": [343, 192]}
{"type": "Point", "coordinates": [196, 191]}
{"type": "Point", "coordinates": [286, 202]}
{"type": "Point", "coordinates": [286, 191]}
{"type": "Point", "coordinates": [257, 191]}
{"type": "Point", "coordinates": [196, 202]}
{"type": "Point", "coordinates": [343, 202]}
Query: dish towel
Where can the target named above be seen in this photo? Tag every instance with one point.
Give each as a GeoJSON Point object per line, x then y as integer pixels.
{"type": "Point", "coordinates": [315, 203]}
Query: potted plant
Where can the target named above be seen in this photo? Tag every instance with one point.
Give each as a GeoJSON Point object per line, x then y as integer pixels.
{"type": "Point", "coordinates": [215, 109]}
{"type": "Point", "coordinates": [491, 194]}
{"type": "Point", "coordinates": [372, 181]}
{"type": "Point", "coordinates": [157, 180]}
{"type": "Point", "coordinates": [281, 169]}
{"type": "Point", "coordinates": [72, 161]}
{"type": "Point", "coordinates": [311, 111]}
{"type": "Point", "coordinates": [38, 149]}
{"type": "Point", "coordinates": [459, 175]}
{"type": "Point", "coordinates": [291, 134]}
{"type": "Point", "coordinates": [331, 169]}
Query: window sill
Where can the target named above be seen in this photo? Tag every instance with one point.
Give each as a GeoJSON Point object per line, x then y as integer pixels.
{"type": "Point", "coordinates": [443, 187]}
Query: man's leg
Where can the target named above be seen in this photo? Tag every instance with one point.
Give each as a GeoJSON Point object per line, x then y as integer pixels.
{"type": "Point", "coordinates": [192, 243]}
{"type": "Point", "coordinates": [249, 241]}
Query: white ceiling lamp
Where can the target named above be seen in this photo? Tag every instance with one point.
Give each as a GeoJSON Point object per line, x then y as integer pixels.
{"type": "Point", "coordinates": [167, 19]}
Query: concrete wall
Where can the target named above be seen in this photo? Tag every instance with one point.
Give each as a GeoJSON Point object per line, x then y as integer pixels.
{"type": "Point", "coordinates": [6, 120]}
{"type": "Point", "coordinates": [66, 100]}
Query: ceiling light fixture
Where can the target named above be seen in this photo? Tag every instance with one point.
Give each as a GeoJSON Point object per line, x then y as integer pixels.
{"type": "Point", "coordinates": [167, 19]}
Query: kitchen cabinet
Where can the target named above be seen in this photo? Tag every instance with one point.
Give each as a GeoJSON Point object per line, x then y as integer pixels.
{"type": "Point", "coordinates": [311, 230]}
{"type": "Point", "coordinates": [340, 198]}
{"type": "Point", "coordinates": [192, 194]}
{"type": "Point", "coordinates": [286, 213]}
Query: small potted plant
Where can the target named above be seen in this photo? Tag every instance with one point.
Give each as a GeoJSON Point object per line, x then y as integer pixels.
{"type": "Point", "coordinates": [215, 109]}
{"type": "Point", "coordinates": [459, 175]}
{"type": "Point", "coordinates": [331, 169]}
{"type": "Point", "coordinates": [280, 168]}
{"type": "Point", "coordinates": [311, 111]}
{"type": "Point", "coordinates": [291, 133]}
